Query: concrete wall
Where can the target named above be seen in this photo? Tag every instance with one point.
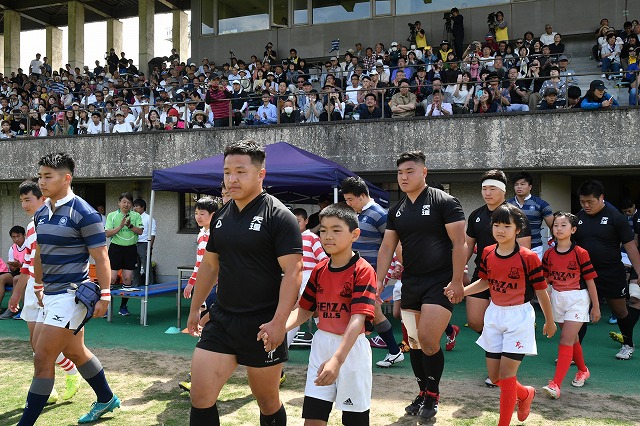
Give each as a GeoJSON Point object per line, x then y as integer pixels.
{"type": "Point", "coordinates": [554, 146]}
{"type": "Point", "coordinates": [314, 41]}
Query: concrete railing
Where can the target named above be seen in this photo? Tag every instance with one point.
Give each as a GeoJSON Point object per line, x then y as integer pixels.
{"type": "Point", "coordinates": [567, 139]}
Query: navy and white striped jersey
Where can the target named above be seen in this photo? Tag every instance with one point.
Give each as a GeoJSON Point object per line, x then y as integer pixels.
{"type": "Point", "coordinates": [372, 222]}
{"type": "Point", "coordinates": [65, 237]}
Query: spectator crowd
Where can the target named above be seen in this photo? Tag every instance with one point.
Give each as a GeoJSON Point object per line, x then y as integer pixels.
{"type": "Point", "coordinates": [497, 75]}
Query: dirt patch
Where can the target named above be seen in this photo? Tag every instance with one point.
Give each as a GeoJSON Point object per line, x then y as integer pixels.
{"type": "Point", "coordinates": [147, 384]}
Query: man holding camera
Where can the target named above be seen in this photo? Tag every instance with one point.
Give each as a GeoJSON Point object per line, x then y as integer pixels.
{"type": "Point", "coordinates": [457, 30]}
{"type": "Point", "coordinates": [123, 228]}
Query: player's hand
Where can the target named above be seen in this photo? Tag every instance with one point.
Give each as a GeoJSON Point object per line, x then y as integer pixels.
{"type": "Point", "coordinates": [379, 288]}
{"type": "Point", "coordinates": [39, 294]}
{"type": "Point", "coordinates": [328, 372]}
{"type": "Point", "coordinates": [203, 320]}
{"type": "Point", "coordinates": [193, 324]}
{"type": "Point", "coordinates": [465, 279]}
{"type": "Point", "coordinates": [455, 292]}
{"type": "Point", "coordinates": [101, 308]}
{"type": "Point", "coordinates": [595, 314]}
{"type": "Point", "coordinates": [123, 222]}
{"type": "Point", "coordinates": [14, 302]}
{"type": "Point", "coordinates": [549, 329]}
{"type": "Point", "coordinates": [397, 272]}
{"type": "Point", "coordinates": [272, 335]}
{"type": "Point", "coordinates": [187, 291]}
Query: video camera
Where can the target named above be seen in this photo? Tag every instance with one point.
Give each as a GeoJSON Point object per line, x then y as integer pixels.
{"type": "Point", "coordinates": [448, 25]}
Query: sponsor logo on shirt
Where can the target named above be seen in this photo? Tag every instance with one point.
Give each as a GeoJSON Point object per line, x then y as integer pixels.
{"type": "Point", "coordinates": [573, 266]}
{"type": "Point", "coordinates": [477, 219]}
{"type": "Point", "coordinates": [346, 290]}
{"type": "Point", "coordinates": [63, 221]}
{"type": "Point", "coordinates": [57, 318]}
{"type": "Point", "coordinates": [218, 224]}
{"type": "Point", "coordinates": [426, 210]}
{"type": "Point", "coordinates": [519, 345]}
{"type": "Point", "coordinates": [41, 221]}
{"type": "Point", "coordinates": [256, 223]}
{"type": "Point", "coordinates": [398, 213]}
{"type": "Point", "coordinates": [514, 273]}
{"type": "Point", "coordinates": [604, 220]}
{"type": "Point", "coordinates": [348, 402]}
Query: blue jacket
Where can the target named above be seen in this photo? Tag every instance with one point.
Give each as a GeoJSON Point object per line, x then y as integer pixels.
{"type": "Point", "coordinates": [589, 104]}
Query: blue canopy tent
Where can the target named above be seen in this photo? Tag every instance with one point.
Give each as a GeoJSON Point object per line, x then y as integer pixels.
{"type": "Point", "coordinates": [293, 175]}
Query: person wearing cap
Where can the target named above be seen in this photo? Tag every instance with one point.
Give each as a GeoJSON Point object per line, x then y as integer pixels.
{"type": "Point", "coordinates": [457, 30]}
{"type": "Point", "coordinates": [630, 45]}
{"type": "Point", "coordinates": [489, 41]}
{"type": "Point", "coordinates": [445, 49]}
{"type": "Point", "coordinates": [566, 74]}
{"type": "Point", "coordinates": [121, 126]}
{"type": "Point", "coordinates": [239, 102]}
{"type": "Point", "coordinates": [633, 76]}
{"type": "Point", "coordinates": [394, 54]}
{"type": "Point", "coordinates": [270, 55]}
{"type": "Point", "coordinates": [550, 100]}
{"type": "Point", "coordinates": [597, 97]}
{"type": "Point", "coordinates": [267, 112]}
{"type": "Point", "coordinates": [382, 72]}
{"type": "Point", "coordinates": [200, 120]}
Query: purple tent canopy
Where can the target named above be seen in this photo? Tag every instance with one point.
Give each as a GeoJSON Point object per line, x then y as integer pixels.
{"type": "Point", "coordinates": [293, 175]}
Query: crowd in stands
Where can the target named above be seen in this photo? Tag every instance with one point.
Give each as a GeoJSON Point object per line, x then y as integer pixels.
{"type": "Point", "coordinates": [499, 75]}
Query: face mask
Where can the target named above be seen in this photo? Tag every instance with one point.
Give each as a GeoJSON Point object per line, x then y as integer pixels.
{"type": "Point", "coordinates": [288, 110]}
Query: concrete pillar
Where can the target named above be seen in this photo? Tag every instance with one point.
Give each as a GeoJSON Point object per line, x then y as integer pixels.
{"type": "Point", "coordinates": [114, 35]}
{"type": "Point", "coordinates": [2, 50]}
{"type": "Point", "coordinates": [180, 34]}
{"type": "Point", "coordinates": [76, 33]}
{"type": "Point", "coordinates": [11, 42]}
{"type": "Point", "coordinates": [146, 15]}
{"type": "Point", "coordinates": [54, 47]}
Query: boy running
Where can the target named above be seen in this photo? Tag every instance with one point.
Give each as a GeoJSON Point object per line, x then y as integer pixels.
{"type": "Point", "coordinates": [342, 290]}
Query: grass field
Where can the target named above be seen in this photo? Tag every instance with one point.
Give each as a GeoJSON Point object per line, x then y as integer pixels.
{"type": "Point", "coordinates": [144, 366]}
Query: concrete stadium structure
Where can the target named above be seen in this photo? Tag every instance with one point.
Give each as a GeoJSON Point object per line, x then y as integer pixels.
{"type": "Point", "coordinates": [561, 149]}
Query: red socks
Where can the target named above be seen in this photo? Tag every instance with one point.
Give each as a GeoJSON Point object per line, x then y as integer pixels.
{"type": "Point", "coordinates": [508, 396]}
{"type": "Point", "coordinates": [578, 358]}
{"type": "Point", "coordinates": [565, 354]}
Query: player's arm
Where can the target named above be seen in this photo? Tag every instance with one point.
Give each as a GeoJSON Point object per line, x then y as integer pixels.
{"type": "Point", "coordinates": [549, 221]}
{"type": "Point", "coordinates": [550, 327]}
{"type": "Point", "coordinates": [206, 278]}
{"type": "Point", "coordinates": [634, 256]}
{"type": "Point", "coordinates": [456, 233]}
{"type": "Point", "coordinates": [273, 332]}
{"type": "Point", "coordinates": [595, 301]}
{"type": "Point", "coordinates": [385, 256]}
{"type": "Point", "coordinates": [111, 229]}
{"type": "Point", "coordinates": [103, 271]}
{"type": "Point", "coordinates": [476, 287]}
{"type": "Point", "coordinates": [329, 370]}
{"type": "Point", "coordinates": [297, 317]}
{"type": "Point", "coordinates": [524, 241]}
{"type": "Point", "coordinates": [18, 292]}
{"type": "Point", "coordinates": [138, 227]}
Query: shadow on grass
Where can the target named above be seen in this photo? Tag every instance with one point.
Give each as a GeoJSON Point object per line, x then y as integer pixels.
{"type": "Point", "coordinates": [13, 417]}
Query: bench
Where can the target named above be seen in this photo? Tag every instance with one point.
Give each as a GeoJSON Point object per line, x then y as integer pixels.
{"type": "Point", "coordinates": [152, 291]}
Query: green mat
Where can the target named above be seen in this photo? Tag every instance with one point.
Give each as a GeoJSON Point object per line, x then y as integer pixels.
{"type": "Point", "coordinates": [466, 361]}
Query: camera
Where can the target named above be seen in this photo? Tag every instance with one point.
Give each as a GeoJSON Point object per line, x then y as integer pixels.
{"type": "Point", "coordinates": [448, 18]}
{"type": "Point", "coordinates": [412, 33]}
{"type": "Point", "coordinates": [492, 23]}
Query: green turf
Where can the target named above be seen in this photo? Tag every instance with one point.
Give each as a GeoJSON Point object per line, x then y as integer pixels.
{"type": "Point", "coordinates": [466, 361]}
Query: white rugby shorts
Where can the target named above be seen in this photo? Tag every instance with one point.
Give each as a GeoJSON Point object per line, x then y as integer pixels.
{"type": "Point", "coordinates": [397, 291]}
{"type": "Point", "coordinates": [352, 389]}
{"type": "Point", "coordinates": [61, 310]}
{"type": "Point", "coordinates": [570, 305]}
{"type": "Point", "coordinates": [31, 311]}
{"type": "Point", "coordinates": [509, 329]}
{"type": "Point", "coordinates": [539, 251]}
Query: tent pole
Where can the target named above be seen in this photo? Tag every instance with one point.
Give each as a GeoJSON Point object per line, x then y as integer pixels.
{"type": "Point", "coordinates": [335, 194]}
{"type": "Point", "coordinates": [147, 269]}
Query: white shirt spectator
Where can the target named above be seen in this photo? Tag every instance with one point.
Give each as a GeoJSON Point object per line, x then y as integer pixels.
{"type": "Point", "coordinates": [547, 39]}
{"type": "Point", "coordinates": [144, 237]}
{"type": "Point", "coordinates": [34, 66]}
{"type": "Point", "coordinates": [445, 106]}
{"type": "Point", "coordinates": [122, 128]}
{"type": "Point", "coordinates": [94, 129]}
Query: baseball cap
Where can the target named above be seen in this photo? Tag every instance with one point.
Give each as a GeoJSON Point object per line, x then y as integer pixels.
{"type": "Point", "coordinates": [550, 91]}
{"type": "Point", "coordinates": [118, 112]}
{"type": "Point", "coordinates": [373, 72]}
{"type": "Point", "coordinates": [563, 58]}
{"type": "Point", "coordinates": [394, 44]}
{"type": "Point", "coordinates": [236, 82]}
{"type": "Point", "coordinates": [379, 63]}
{"type": "Point", "coordinates": [333, 58]}
{"type": "Point", "coordinates": [597, 85]}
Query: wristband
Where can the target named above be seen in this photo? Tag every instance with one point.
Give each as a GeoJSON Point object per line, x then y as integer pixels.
{"type": "Point", "coordinates": [38, 287]}
{"type": "Point", "coordinates": [466, 269]}
{"type": "Point", "coordinates": [105, 292]}
{"type": "Point", "coordinates": [107, 298]}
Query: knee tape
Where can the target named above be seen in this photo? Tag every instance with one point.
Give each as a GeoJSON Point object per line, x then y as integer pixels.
{"type": "Point", "coordinates": [410, 323]}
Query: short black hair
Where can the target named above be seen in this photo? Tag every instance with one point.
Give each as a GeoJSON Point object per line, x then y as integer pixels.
{"type": "Point", "coordinates": [126, 195]}
{"type": "Point", "coordinates": [417, 156]}
{"type": "Point", "coordinates": [30, 186]}
{"type": "Point", "coordinates": [58, 161]}
{"type": "Point", "coordinates": [591, 187]}
{"type": "Point", "coordinates": [207, 203]}
{"type": "Point", "coordinates": [247, 147]}
{"type": "Point", "coordinates": [17, 230]}
{"type": "Point", "coordinates": [301, 212]}
{"type": "Point", "coordinates": [572, 218]}
{"type": "Point", "coordinates": [626, 203]}
{"type": "Point", "coordinates": [355, 185]}
{"type": "Point", "coordinates": [371, 95]}
{"type": "Point", "coordinates": [508, 213]}
{"type": "Point", "coordinates": [522, 175]}
{"type": "Point", "coordinates": [494, 174]}
{"type": "Point", "coordinates": [140, 202]}
{"type": "Point", "coordinates": [342, 212]}
{"type": "Point", "coordinates": [574, 92]}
